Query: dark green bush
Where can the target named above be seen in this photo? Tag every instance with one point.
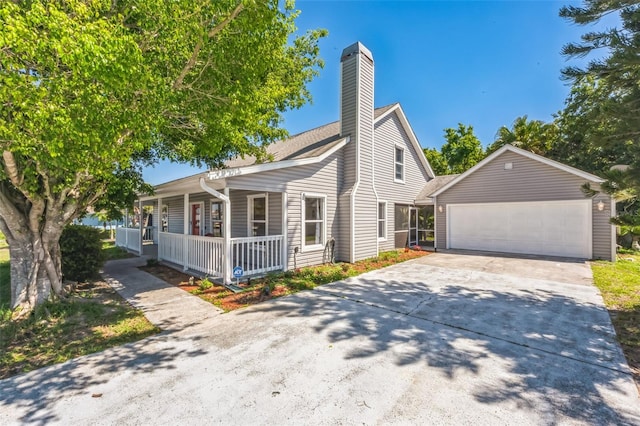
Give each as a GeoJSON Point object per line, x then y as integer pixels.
{"type": "Point", "coordinates": [81, 249]}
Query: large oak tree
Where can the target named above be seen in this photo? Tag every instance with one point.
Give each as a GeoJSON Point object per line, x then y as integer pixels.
{"type": "Point", "coordinates": [91, 90]}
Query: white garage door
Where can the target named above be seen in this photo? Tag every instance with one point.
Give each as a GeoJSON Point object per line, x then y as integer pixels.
{"type": "Point", "coordinates": [553, 228]}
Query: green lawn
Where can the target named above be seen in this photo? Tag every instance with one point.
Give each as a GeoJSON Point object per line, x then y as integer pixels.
{"type": "Point", "coordinates": [5, 290]}
{"type": "Point", "coordinates": [93, 318]}
{"type": "Point", "coordinates": [111, 252]}
{"type": "Point", "coordinates": [619, 284]}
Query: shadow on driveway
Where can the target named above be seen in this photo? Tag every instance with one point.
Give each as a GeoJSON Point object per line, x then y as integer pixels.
{"type": "Point", "coordinates": [538, 349]}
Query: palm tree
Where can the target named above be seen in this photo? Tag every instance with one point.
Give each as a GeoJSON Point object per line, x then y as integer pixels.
{"type": "Point", "coordinates": [532, 135]}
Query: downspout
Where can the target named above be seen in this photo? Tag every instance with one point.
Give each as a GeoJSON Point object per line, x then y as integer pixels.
{"type": "Point", "coordinates": [226, 269]}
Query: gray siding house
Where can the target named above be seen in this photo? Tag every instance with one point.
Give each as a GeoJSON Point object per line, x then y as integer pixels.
{"type": "Point", "coordinates": [361, 185]}
{"type": "Point", "coordinates": [342, 191]}
{"type": "Point", "coordinates": [518, 202]}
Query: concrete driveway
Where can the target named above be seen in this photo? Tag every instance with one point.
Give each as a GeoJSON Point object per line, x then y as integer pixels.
{"type": "Point", "coordinates": [489, 340]}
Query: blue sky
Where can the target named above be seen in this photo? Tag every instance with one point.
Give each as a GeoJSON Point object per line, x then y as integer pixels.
{"type": "Point", "coordinates": [481, 63]}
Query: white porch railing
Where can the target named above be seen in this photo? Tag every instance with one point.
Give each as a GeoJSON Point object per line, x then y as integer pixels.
{"type": "Point", "coordinates": [128, 238]}
{"type": "Point", "coordinates": [148, 234]}
{"type": "Point", "coordinates": [255, 255]}
{"type": "Point", "coordinates": [171, 247]}
{"type": "Point", "coordinates": [206, 254]}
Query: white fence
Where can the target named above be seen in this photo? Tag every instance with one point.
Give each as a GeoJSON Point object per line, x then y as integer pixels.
{"type": "Point", "coordinates": [171, 247]}
{"type": "Point", "coordinates": [206, 254]}
{"type": "Point", "coordinates": [256, 255]}
{"type": "Point", "coordinates": [149, 234]}
{"type": "Point", "coordinates": [128, 238]}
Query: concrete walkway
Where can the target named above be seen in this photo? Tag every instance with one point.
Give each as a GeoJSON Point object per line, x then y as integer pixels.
{"type": "Point", "coordinates": [165, 305]}
{"type": "Point", "coordinates": [416, 343]}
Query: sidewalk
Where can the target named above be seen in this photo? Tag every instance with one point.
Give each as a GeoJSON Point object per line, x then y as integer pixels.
{"type": "Point", "coordinates": [166, 306]}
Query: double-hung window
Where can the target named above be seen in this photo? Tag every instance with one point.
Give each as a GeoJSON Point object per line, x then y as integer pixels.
{"type": "Point", "coordinates": [258, 213]}
{"type": "Point", "coordinates": [382, 220]}
{"type": "Point", "coordinates": [216, 219]}
{"type": "Point", "coordinates": [314, 218]}
{"type": "Point", "coordinates": [399, 164]}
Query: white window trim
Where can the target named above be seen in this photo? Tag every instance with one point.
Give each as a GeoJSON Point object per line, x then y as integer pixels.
{"type": "Point", "coordinates": [313, 247]}
{"type": "Point", "coordinates": [386, 220]}
{"type": "Point", "coordinates": [395, 163]}
{"type": "Point", "coordinates": [212, 221]}
{"type": "Point", "coordinates": [191, 204]}
{"type": "Point", "coordinates": [164, 206]}
{"type": "Point", "coordinates": [250, 199]}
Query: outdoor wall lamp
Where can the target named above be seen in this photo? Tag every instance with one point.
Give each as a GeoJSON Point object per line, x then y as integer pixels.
{"type": "Point", "coordinates": [440, 208]}
{"type": "Point", "coordinates": [600, 205]}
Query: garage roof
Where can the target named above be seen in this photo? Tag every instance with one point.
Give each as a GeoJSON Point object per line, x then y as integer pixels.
{"type": "Point", "coordinates": [536, 157]}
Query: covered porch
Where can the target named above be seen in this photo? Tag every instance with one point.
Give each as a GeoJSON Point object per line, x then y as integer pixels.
{"type": "Point", "coordinates": [211, 229]}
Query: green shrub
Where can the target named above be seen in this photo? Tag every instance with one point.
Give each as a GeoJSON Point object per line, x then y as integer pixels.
{"type": "Point", "coordinates": [205, 284]}
{"type": "Point", "coordinates": [81, 249]}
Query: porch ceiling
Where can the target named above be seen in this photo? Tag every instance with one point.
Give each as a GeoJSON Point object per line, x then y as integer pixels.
{"type": "Point", "coordinates": [187, 185]}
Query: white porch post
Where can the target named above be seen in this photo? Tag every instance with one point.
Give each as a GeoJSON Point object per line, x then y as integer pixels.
{"type": "Point", "coordinates": [159, 225]}
{"type": "Point", "coordinates": [285, 239]}
{"type": "Point", "coordinates": [185, 242]}
{"type": "Point", "coordinates": [226, 273]}
{"type": "Point", "coordinates": [140, 227]}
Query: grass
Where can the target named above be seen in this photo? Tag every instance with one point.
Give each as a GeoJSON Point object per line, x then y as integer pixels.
{"type": "Point", "coordinates": [110, 251]}
{"type": "Point", "coordinates": [5, 288]}
{"type": "Point", "coordinates": [93, 318]}
{"type": "Point", "coordinates": [619, 284]}
{"type": "Point", "coordinates": [289, 282]}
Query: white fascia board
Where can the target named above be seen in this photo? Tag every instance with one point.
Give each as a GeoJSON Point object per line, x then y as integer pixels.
{"type": "Point", "coordinates": [257, 168]}
{"type": "Point", "coordinates": [524, 153]}
{"type": "Point", "coordinates": [412, 136]}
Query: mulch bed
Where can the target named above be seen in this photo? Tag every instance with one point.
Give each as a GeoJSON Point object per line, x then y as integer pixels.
{"type": "Point", "coordinates": [218, 295]}
{"type": "Point", "coordinates": [229, 301]}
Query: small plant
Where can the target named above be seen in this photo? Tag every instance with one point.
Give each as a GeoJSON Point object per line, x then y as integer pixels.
{"type": "Point", "coordinates": [152, 261]}
{"type": "Point", "coordinates": [205, 284]}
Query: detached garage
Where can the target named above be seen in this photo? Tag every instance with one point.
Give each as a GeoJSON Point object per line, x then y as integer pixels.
{"type": "Point", "coordinates": [515, 201]}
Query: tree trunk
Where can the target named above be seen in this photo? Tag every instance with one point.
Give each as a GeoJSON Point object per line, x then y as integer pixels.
{"type": "Point", "coordinates": [35, 265]}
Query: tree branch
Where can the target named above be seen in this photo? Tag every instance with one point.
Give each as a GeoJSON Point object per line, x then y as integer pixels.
{"type": "Point", "coordinates": [178, 84]}
{"type": "Point", "coordinates": [11, 168]}
{"type": "Point", "coordinates": [11, 216]}
{"type": "Point", "coordinates": [215, 30]}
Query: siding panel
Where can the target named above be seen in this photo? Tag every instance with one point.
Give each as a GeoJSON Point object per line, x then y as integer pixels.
{"type": "Point", "coordinates": [323, 178]}
{"type": "Point", "coordinates": [389, 133]}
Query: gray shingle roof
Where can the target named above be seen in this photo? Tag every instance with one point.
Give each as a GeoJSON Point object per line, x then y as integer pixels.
{"type": "Point", "coordinates": [433, 185]}
{"type": "Point", "coordinates": [309, 144]}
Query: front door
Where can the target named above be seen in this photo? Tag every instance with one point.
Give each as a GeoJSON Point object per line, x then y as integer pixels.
{"type": "Point", "coordinates": [413, 226]}
{"type": "Point", "coordinates": [196, 218]}
{"type": "Point", "coordinates": [426, 226]}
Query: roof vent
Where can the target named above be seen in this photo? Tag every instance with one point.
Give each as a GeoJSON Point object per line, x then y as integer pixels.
{"type": "Point", "coordinates": [508, 166]}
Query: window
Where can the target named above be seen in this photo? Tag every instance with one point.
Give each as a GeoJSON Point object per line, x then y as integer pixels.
{"type": "Point", "coordinates": [314, 216]}
{"type": "Point", "coordinates": [402, 217]}
{"type": "Point", "coordinates": [216, 219]}
{"type": "Point", "coordinates": [164, 222]}
{"type": "Point", "coordinates": [399, 164]}
{"type": "Point", "coordinates": [382, 220]}
{"type": "Point", "coordinates": [257, 215]}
